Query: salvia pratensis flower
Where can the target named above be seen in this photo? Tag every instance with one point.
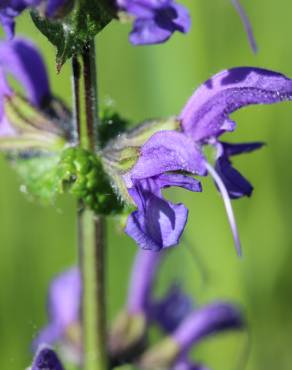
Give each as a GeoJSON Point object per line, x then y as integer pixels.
{"type": "Point", "coordinates": [46, 359]}
{"type": "Point", "coordinates": [9, 9]}
{"type": "Point", "coordinates": [174, 313]}
{"type": "Point", "coordinates": [173, 155]}
{"type": "Point", "coordinates": [172, 352]}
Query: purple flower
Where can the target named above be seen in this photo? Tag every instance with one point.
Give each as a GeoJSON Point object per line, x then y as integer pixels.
{"type": "Point", "coordinates": [199, 324]}
{"type": "Point", "coordinates": [46, 359]}
{"type": "Point", "coordinates": [175, 314]}
{"type": "Point", "coordinates": [169, 311]}
{"type": "Point", "coordinates": [12, 8]}
{"type": "Point", "coordinates": [63, 310]}
{"type": "Point", "coordinates": [158, 223]}
{"type": "Point", "coordinates": [155, 20]}
{"type": "Point", "coordinates": [204, 119]}
{"type": "Point", "coordinates": [43, 126]}
{"type": "Point", "coordinates": [172, 352]}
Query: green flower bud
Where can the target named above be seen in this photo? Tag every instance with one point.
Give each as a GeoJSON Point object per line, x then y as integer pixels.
{"type": "Point", "coordinates": [81, 173]}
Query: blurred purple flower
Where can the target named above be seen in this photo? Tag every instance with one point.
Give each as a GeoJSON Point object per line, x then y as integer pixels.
{"type": "Point", "coordinates": [168, 311]}
{"type": "Point", "coordinates": [9, 9]}
{"type": "Point", "coordinates": [155, 20]}
{"type": "Point", "coordinates": [64, 299]}
{"type": "Point", "coordinates": [199, 324]}
{"type": "Point", "coordinates": [46, 359]}
{"type": "Point", "coordinates": [48, 121]}
{"type": "Point", "coordinates": [175, 314]}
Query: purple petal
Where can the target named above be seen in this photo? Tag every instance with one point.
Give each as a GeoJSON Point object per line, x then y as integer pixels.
{"type": "Point", "coordinates": [208, 320]}
{"type": "Point", "coordinates": [236, 185]}
{"type": "Point", "coordinates": [156, 21]}
{"type": "Point", "coordinates": [5, 127]}
{"type": "Point", "coordinates": [185, 364]}
{"type": "Point", "coordinates": [175, 179]}
{"type": "Point", "coordinates": [64, 297]}
{"type": "Point", "coordinates": [159, 226]}
{"type": "Point", "coordinates": [230, 149]}
{"type": "Point", "coordinates": [172, 309]}
{"type": "Point", "coordinates": [51, 334]}
{"type": "Point", "coordinates": [146, 31]}
{"type": "Point", "coordinates": [168, 151]}
{"type": "Point", "coordinates": [246, 24]}
{"type": "Point", "coordinates": [63, 306]}
{"type": "Point", "coordinates": [141, 283]}
{"type": "Point", "coordinates": [182, 20]}
{"type": "Point", "coordinates": [20, 58]}
{"type": "Point", "coordinates": [209, 107]}
{"type": "Point", "coordinates": [46, 359]}
{"type": "Point", "coordinates": [8, 24]}
{"type": "Point", "coordinates": [9, 9]}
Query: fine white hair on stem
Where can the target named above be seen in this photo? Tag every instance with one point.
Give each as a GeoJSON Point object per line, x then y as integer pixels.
{"type": "Point", "coordinates": [227, 204]}
{"type": "Point", "coordinates": [246, 24]}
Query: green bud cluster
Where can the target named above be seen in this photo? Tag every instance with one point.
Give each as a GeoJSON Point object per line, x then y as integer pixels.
{"type": "Point", "coordinates": [81, 173]}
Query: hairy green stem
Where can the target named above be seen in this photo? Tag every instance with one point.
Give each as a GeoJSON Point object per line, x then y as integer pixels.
{"type": "Point", "coordinates": [91, 228]}
{"type": "Point", "coordinates": [91, 243]}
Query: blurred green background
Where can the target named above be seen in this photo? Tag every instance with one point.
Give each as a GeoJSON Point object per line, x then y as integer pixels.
{"type": "Point", "coordinates": [144, 82]}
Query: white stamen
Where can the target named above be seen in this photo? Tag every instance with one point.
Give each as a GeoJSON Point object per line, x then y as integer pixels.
{"type": "Point", "coordinates": [228, 206]}
{"type": "Point", "coordinates": [246, 24]}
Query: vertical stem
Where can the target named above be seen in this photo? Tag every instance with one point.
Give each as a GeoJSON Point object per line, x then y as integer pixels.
{"type": "Point", "coordinates": [90, 91]}
{"type": "Point", "coordinates": [91, 244]}
{"type": "Point", "coordinates": [91, 227]}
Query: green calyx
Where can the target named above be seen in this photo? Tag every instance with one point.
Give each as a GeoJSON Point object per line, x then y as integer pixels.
{"type": "Point", "coordinates": [71, 34]}
{"type": "Point", "coordinates": [81, 173]}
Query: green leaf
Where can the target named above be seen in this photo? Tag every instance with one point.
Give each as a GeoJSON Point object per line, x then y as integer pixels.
{"type": "Point", "coordinates": [71, 34]}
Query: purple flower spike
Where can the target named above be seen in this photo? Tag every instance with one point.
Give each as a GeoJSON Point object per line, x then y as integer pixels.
{"type": "Point", "coordinates": [211, 319]}
{"type": "Point", "coordinates": [155, 20]}
{"type": "Point", "coordinates": [21, 59]}
{"type": "Point", "coordinates": [63, 307]}
{"type": "Point", "coordinates": [46, 359]}
{"type": "Point", "coordinates": [246, 24]}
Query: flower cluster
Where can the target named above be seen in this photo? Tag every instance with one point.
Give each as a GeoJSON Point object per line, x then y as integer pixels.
{"type": "Point", "coordinates": [172, 156]}
{"type": "Point", "coordinates": [183, 324]}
